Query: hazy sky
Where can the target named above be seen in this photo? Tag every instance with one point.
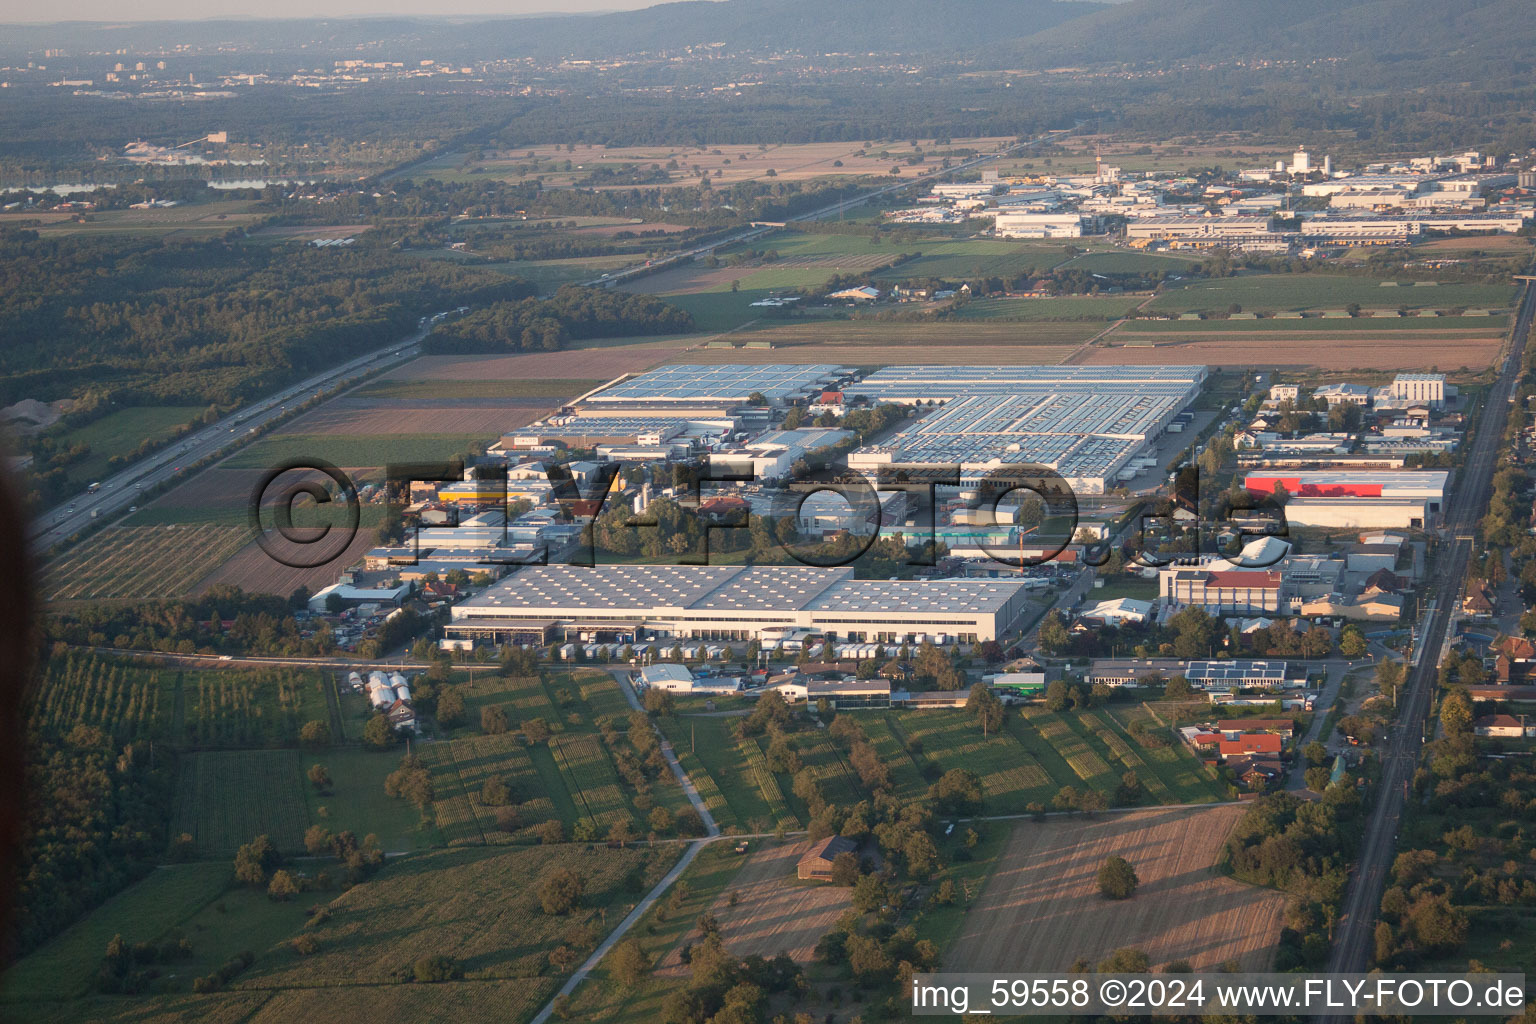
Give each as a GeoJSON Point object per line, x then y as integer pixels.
{"type": "Point", "coordinates": [159, 10]}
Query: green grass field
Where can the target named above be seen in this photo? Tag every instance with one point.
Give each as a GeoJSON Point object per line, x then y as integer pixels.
{"type": "Point", "coordinates": [119, 433]}
{"type": "Point", "coordinates": [350, 450]}
{"type": "Point", "coordinates": [143, 912]}
{"type": "Point", "coordinates": [409, 390]}
{"type": "Point", "coordinates": [1129, 262]}
{"type": "Point", "coordinates": [707, 750]}
{"type": "Point", "coordinates": [1106, 307]}
{"type": "Point", "coordinates": [1258, 292]}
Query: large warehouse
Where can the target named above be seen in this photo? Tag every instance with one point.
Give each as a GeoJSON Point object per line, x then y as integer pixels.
{"type": "Point", "coordinates": [733, 603]}
{"type": "Point", "coordinates": [1085, 422]}
{"type": "Point", "coordinates": [1350, 499]}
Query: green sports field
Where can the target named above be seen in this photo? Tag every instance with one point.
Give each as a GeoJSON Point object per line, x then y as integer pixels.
{"type": "Point", "coordinates": [1276, 292]}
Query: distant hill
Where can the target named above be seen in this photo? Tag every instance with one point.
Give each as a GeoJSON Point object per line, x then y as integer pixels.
{"type": "Point", "coordinates": [1154, 31]}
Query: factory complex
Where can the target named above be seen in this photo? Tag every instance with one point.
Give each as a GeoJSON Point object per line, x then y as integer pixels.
{"type": "Point", "coordinates": [1089, 424]}
{"type": "Point", "coordinates": [635, 602]}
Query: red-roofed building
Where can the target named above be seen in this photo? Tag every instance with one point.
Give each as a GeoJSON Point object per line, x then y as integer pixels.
{"type": "Point", "coordinates": [1501, 726]}
{"type": "Point", "coordinates": [1250, 744]}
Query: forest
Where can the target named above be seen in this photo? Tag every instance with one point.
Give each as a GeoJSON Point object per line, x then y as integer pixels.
{"type": "Point", "coordinates": [572, 314]}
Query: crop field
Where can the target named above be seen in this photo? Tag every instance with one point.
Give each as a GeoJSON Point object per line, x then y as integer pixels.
{"type": "Point", "coordinates": [228, 797]}
{"type": "Point", "coordinates": [734, 162]}
{"type": "Point", "coordinates": [484, 417]}
{"type": "Point", "coordinates": [67, 965]}
{"type": "Point", "coordinates": [215, 1008]}
{"type": "Point", "coordinates": [119, 433]}
{"type": "Point", "coordinates": [189, 220]}
{"type": "Point", "coordinates": [1041, 907]}
{"type": "Point", "coordinates": [731, 791]}
{"type": "Point", "coordinates": [1014, 773]}
{"type": "Point", "coordinates": [838, 784]}
{"type": "Point", "coordinates": [1346, 349]}
{"type": "Point", "coordinates": [400, 390]}
{"type": "Point", "coordinates": [591, 779]}
{"type": "Point", "coordinates": [248, 707]}
{"type": "Point", "coordinates": [522, 698]}
{"type": "Point", "coordinates": [461, 766]}
{"type": "Point", "coordinates": [254, 571]}
{"type": "Point", "coordinates": [775, 911]}
{"type": "Point", "coordinates": [596, 362]}
{"type": "Point", "coordinates": [510, 1001]}
{"type": "Point", "coordinates": [1276, 292]}
{"type": "Point", "coordinates": [357, 801]}
{"type": "Point", "coordinates": [478, 905]}
{"type": "Point", "coordinates": [767, 784]}
{"type": "Point", "coordinates": [136, 562]}
{"type": "Point", "coordinates": [124, 701]}
{"type": "Point", "coordinates": [1088, 307]}
{"type": "Point", "coordinates": [1124, 261]}
{"type": "Point", "coordinates": [356, 450]}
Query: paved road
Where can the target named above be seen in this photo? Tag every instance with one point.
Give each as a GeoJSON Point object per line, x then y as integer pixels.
{"type": "Point", "coordinates": [123, 489]}
{"type": "Point", "coordinates": [679, 258]}
{"type": "Point", "coordinates": [1353, 939]}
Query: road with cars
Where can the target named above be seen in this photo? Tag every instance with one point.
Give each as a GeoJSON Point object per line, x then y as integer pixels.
{"type": "Point", "coordinates": [129, 487]}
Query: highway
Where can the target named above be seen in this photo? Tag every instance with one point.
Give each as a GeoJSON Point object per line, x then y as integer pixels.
{"type": "Point", "coordinates": [1354, 937]}
{"type": "Point", "coordinates": [124, 489]}
{"type": "Point", "coordinates": [841, 206]}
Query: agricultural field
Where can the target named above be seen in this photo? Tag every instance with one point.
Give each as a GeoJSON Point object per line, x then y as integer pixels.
{"type": "Point", "coordinates": [1096, 307]}
{"type": "Point", "coordinates": [226, 798]}
{"type": "Point", "coordinates": [1276, 292]}
{"type": "Point", "coordinates": [1041, 908]}
{"type": "Point", "coordinates": [478, 905]}
{"type": "Point", "coordinates": [359, 416]}
{"type": "Point", "coordinates": [596, 361]}
{"type": "Point", "coordinates": [66, 966]}
{"type": "Point", "coordinates": [254, 571]}
{"type": "Point", "coordinates": [119, 433]}
{"type": "Point", "coordinates": [1129, 261]}
{"type": "Point", "coordinates": [352, 450]}
{"type": "Point", "coordinates": [774, 912]}
{"type": "Point", "coordinates": [729, 783]}
{"type": "Point", "coordinates": [189, 220]}
{"type": "Point", "coordinates": [1329, 347]}
{"type": "Point", "coordinates": [142, 561]}
{"type": "Point", "coordinates": [735, 162]}
{"type": "Point", "coordinates": [125, 701]}
{"type": "Point", "coordinates": [248, 707]}
{"type": "Point", "coordinates": [553, 389]}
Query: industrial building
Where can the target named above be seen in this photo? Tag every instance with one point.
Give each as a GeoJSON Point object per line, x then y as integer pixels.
{"type": "Point", "coordinates": [1088, 424]}
{"type": "Point", "coordinates": [1228, 592]}
{"type": "Point", "coordinates": [734, 603]}
{"type": "Point", "coordinates": [1370, 499]}
{"type": "Point", "coordinates": [722, 386]}
{"type": "Point", "coordinates": [1428, 388]}
{"type": "Point", "coordinates": [1020, 224]}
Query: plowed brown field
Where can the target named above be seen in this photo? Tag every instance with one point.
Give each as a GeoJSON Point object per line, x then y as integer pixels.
{"type": "Point", "coordinates": [1041, 909]}
{"type": "Point", "coordinates": [775, 911]}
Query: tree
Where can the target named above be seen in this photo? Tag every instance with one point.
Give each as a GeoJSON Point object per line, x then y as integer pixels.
{"type": "Point", "coordinates": [1117, 879]}
{"type": "Point", "coordinates": [493, 719]}
{"type": "Point", "coordinates": [315, 734]}
{"type": "Point", "coordinates": [1317, 778]}
{"type": "Point", "coordinates": [378, 734]}
{"type": "Point", "coordinates": [561, 891]}
{"type": "Point", "coordinates": [629, 963]}
{"type": "Point", "coordinates": [1352, 642]}
{"type": "Point", "coordinates": [320, 778]}
{"type": "Point", "coordinates": [1054, 637]}
{"type": "Point", "coordinates": [1177, 688]}
{"type": "Point", "coordinates": [450, 707]}
{"type": "Point", "coordinates": [845, 868]}
{"type": "Point", "coordinates": [435, 968]}
{"type": "Point", "coordinates": [985, 708]}
{"type": "Point", "coordinates": [494, 791]}
{"type": "Point", "coordinates": [1456, 713]}
{"type": "Point", "coordinates": [282, 886]}
{"type": "Point", "coordinates": [317, 840]}
{"type": "Point", "coordinates": [958, 791]}
{"type": "Point", "coordinates": [1057, 696]}
{"type": "Point", "coordinates": [659, 820]}
{"type": "Point", "coordinates": [254, 859]}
